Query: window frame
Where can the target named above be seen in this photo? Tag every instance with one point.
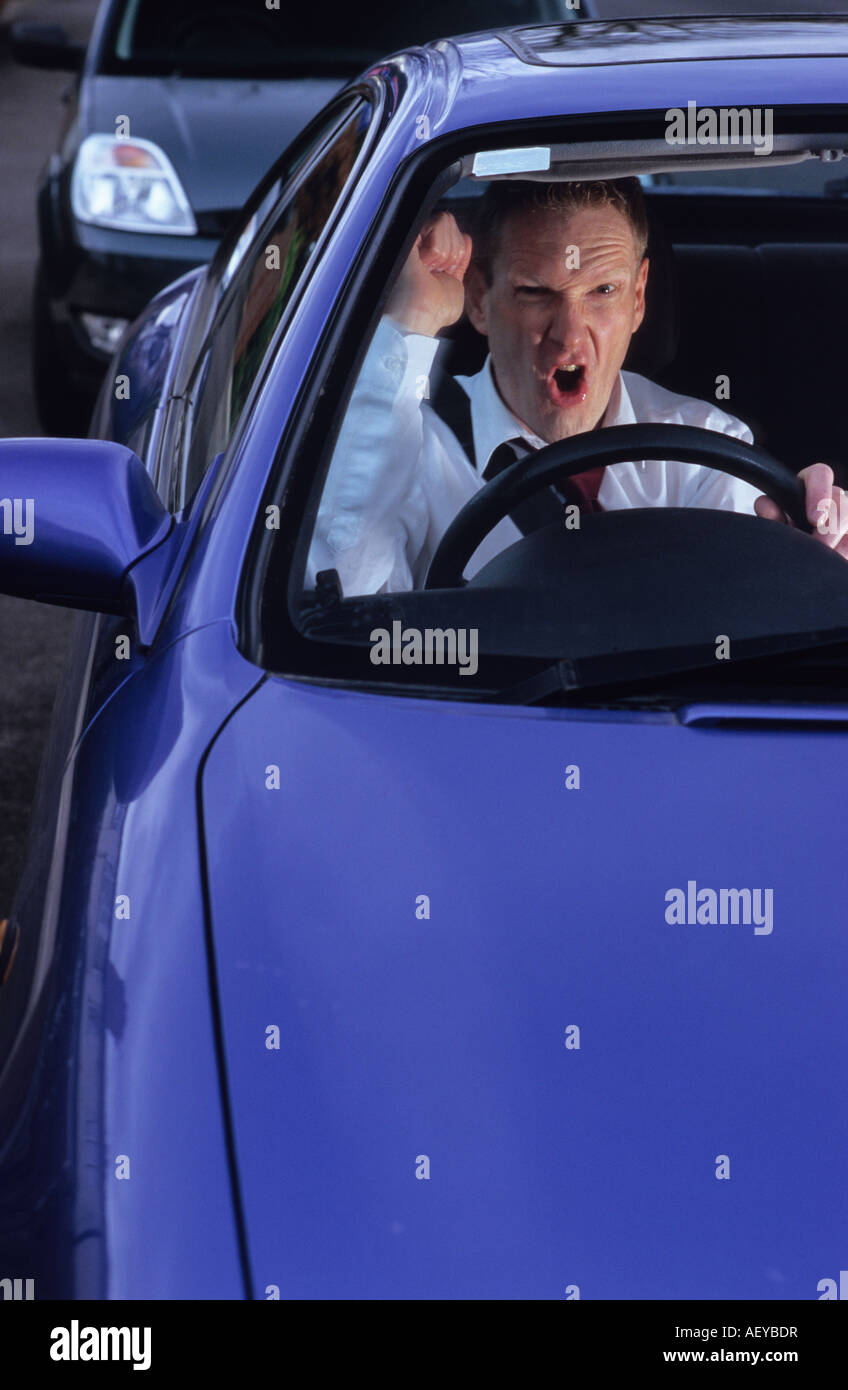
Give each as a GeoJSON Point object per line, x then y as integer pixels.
{"type": "Point", "coordinates": [332, 118]}
{"type": "Point", "coordinates": [312, 429]}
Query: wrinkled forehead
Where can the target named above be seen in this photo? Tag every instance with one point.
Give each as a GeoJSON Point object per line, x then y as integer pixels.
{"type": "Point", "coordinates": [549, 236]}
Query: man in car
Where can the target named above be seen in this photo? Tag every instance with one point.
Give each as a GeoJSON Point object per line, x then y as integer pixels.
{"type": "Point", "coordinates": [555, 279]}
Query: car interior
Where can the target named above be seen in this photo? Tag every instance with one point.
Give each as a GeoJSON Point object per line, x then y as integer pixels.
{"type": "Point", "coordinates": [745, 282]}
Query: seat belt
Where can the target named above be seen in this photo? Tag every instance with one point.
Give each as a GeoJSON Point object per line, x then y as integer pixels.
{"type": "Point", "coordinates": [453, 406]}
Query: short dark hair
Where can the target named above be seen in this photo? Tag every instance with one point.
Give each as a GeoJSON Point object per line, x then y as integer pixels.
{"type": "Point", "coordinates": [508, 199]}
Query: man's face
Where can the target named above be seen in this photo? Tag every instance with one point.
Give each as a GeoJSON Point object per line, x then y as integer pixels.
{"type": "Point", "coordinates": [567, 291]}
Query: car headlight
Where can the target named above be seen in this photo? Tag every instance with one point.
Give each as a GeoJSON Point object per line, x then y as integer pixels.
{"type": "Point", "coordinates": [129, 184]}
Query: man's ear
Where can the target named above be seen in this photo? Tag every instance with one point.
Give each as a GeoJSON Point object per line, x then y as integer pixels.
{"type": "Point", "coordinates": [477, 298]}
{"type": "Point", "coordinates": [641, 280]}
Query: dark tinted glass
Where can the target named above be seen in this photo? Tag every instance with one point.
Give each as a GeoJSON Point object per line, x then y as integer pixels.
{"type": "Point", "coordinates": [202, 36]}
{"type": "Point", "coordinates": [262, 286]}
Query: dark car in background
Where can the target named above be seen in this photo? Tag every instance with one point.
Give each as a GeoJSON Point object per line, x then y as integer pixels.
{"type": "Point", "coordinates": [178, 109]}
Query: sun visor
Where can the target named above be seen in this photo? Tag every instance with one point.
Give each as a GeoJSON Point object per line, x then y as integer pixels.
{"type": "Point", "coordinates": [615, 160]}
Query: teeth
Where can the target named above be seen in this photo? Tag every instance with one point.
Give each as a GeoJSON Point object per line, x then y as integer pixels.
{"type": "Point", "coordinates": [575, 368]}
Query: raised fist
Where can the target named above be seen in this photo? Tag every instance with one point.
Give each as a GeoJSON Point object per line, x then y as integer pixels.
{"type": "Point", "coordinates": [429, 293]}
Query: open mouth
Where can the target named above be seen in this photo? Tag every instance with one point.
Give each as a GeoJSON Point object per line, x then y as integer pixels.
{"type": "Point", "coordinates": [567, 385]}
{"type": "Point", "coordinates": [569, 379]}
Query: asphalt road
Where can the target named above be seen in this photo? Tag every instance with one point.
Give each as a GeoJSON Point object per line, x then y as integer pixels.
{"type": "Point", "coordinates": [33, 636]}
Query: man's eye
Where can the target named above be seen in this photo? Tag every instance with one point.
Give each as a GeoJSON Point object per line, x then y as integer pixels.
{"type": "Point", "coordinates": [533, 290]}
{"type": "Point", "coordinates": [606, 289]}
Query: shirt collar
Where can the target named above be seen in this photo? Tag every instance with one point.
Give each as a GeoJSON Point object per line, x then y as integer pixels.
{"type": "Point", "coordinates": [494, 423]}
{"type": "Point", "coordinates": [619, 409]}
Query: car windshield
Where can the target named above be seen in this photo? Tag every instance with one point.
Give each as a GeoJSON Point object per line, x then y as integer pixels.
{"type": "Point", "coordinates": [221, 38]}
{"type": "Point", "coordinates": [567, 449]}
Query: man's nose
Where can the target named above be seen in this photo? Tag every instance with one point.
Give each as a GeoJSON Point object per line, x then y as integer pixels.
{"type": "Point", "coordinates": [567, 326]}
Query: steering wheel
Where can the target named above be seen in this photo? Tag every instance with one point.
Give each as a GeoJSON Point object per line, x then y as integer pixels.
{"type": "Point", "coordinates": [617, 444]}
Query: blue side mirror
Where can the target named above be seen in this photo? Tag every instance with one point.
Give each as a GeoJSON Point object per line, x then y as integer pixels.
{"type": "Point", "coordinates": [75, 516]}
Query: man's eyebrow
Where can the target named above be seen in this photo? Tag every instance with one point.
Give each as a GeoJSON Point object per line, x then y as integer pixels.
{"type": "Point", "coordinates": [529, 280]}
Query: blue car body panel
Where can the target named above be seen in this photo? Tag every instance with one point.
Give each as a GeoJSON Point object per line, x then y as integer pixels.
{"type": "Point", "coordinates": [148, 359]}
{"type": "Point", "coordinates": [403, 1036]}
{"type": "Point", "coordinates": [133, 1011]}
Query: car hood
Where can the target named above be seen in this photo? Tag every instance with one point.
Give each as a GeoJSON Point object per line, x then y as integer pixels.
{"type": "Point", "coordinates": [476, 1048]}
{"type": "Point", "coordinates": [221, 135]}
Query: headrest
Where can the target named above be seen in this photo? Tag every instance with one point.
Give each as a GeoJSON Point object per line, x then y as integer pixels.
{"type": "Point", "coordinates": [654, 345]}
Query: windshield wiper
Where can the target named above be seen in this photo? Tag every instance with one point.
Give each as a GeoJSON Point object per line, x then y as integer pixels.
{"type": "Point", "coordinates": [614, 670]}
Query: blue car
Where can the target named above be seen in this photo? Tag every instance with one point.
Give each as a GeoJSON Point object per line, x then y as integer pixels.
{"type": "Point", "coordinates": [478, 933]}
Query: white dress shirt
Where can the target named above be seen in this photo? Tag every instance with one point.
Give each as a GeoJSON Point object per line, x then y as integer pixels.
{"type": "Point", "coordinates": [399, 475]}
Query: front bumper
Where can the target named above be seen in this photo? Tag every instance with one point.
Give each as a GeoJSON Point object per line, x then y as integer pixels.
{"type": "Point", "coordinates": [109, 274]}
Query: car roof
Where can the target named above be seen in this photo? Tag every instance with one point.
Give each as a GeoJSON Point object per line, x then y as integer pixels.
{"type": "Point", "coordinates": [520, 73]}
{"type": "Point", "coordinates": [626, 9]}
{"type": "Point", "coordinates": [663, 40]}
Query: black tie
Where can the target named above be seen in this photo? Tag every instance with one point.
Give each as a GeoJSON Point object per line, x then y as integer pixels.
{"type": "Point", "coordinates": [539, 510]}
